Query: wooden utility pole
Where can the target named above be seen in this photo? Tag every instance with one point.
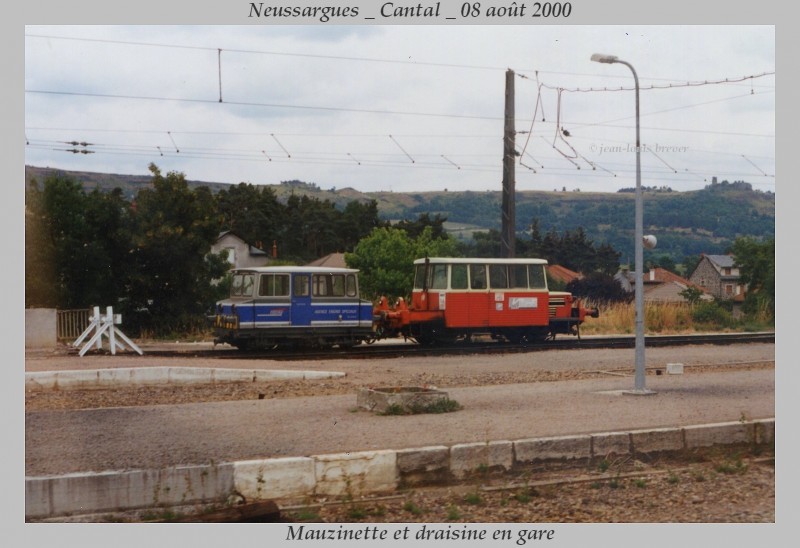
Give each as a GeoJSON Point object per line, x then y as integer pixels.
{"type": "Point", "coordinates": [508, 232]}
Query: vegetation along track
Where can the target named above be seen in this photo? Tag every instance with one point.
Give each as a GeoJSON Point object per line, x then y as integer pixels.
{"type": "Point", "coordinates": [475, 347]}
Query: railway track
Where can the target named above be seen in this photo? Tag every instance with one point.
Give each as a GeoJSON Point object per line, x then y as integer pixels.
{"type": "Point", "coordinates": [392, 350]}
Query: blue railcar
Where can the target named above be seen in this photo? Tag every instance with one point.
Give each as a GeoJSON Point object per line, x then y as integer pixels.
{"type": "Point", "coordinates": [293, 306]}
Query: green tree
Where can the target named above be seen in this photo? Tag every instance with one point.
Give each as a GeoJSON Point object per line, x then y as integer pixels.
{"type": "Point", "coordinates": [691, 294]}
{"type": "Point", "coordinates": [357, 220]}
{"type": "Point", "coordinates": [415, 228]}
{"type": "Point", "coordinates": [77, 245]}
{"type": "Point", "coordinates": [252, 212]}
{"type": "Point", "coordinates": [386, 260]}
{"type": "Point", "coordinates": [756, 263]}
{"type": "Point", "coordinates": [172, 288]}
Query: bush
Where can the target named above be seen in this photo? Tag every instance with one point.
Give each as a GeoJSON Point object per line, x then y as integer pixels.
{"type": "Point", "coordinates": [711, 313]}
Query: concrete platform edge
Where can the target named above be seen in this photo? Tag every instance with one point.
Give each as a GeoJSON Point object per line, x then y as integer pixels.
{"type": "Point", "coordinates": [141, 376]}
{"type": "Point", "coordinates": [355, 474]}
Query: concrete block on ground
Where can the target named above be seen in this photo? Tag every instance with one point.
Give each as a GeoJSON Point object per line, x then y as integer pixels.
{"type": "Point", "coordinates": [706, 435]}
{"type": "Point", "coordinates": [659, 439]}
{"type": "Point", "coordinates": [674, 369]}
{"type": "Point", "coordinates": [423, 466]}
{"type": "Point", "coordinates": [356, 473]}
{"type": "Point", "coordinates": [274, 478]}
{"type": "Point", "coordinates": [765, 431]}
{"type": "Point", "coordinates": [41, 328]}
{"type": "Point", "coordinates": [85, 493]}
{"type": "Point", "coordinates": [190, 375]}
{"type": "Point", "coordinates": [233, 375]}
{"type": "Point", "coordinates": [553, 448]}
{"type": "Point", "coordinates": [264, 375]}
{"type": "Point", "coordinates": [70, 380]}
{"type": "Point", "coordinates": [39, 380]}
{"type": "Point", "coordinates": [608, 443]}
{"type": "Point", "coordinates": [468, 458]}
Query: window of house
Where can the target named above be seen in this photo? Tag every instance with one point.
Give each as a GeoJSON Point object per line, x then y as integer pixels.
{"type": "Point", "coordinates": [231, 254]}
{"type": "Point", "coordinates": [728, 289]}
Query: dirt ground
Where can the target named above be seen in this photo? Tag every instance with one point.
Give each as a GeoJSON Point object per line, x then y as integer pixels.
{"type": "Point", "coordinates": [724, 487]}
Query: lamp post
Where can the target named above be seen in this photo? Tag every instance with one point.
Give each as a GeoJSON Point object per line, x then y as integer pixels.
{"type": "Point", "coordinates": [639, 385]}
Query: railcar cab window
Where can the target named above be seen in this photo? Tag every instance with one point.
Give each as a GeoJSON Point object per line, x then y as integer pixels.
{"type": "Point", "coordinates": [242, 285]}
{"type": "Point", "coordinates": [301, 288]}
{"type": "Point", "coordinates": [333, 285]}
{"type": "Point", "coordinates": [477, 276]}
{"type": "Point", "coordinates": [437, 276]}
{"type": "Point", "coordinates": [536, 277]}
{"type": "Point", "coordinates": [498, 276]}
{"type": "Point", "coordinates": [274, 285]}
{"type": "Point", "coordinates": [458, 276]}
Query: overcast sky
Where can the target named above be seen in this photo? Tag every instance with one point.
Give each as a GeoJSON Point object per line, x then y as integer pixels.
{"type": "Point", "coordinates": [404, 108]}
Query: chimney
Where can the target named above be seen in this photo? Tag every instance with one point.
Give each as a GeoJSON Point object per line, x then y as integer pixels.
{"type": "Point", "coordinates": [274, 249]}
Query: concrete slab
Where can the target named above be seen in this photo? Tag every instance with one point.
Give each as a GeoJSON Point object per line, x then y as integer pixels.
{"type": "Point", "coordinates": [423, 466]}
{"type": "Point", "coordinates": [559, 447]}
{"type": "Point", "coordinates": [149, 376]}
{"type": "Point", "coordinates": [469, 459]}
{"type": "Point", "coordinates": [356, 473]}
{"type": "Point", "coordinates": [275, 478]}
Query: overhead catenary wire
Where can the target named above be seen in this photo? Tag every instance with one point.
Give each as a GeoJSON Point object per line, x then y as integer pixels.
{"type": "Point", "coordinates": [558, 135]}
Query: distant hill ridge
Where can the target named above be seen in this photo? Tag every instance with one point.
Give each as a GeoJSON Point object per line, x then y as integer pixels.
{"type": "Point", "coordinates": [686, 223]}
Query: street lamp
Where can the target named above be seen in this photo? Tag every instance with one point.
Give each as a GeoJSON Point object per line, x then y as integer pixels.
{"type": "Point", "coordinates": [639, 387]}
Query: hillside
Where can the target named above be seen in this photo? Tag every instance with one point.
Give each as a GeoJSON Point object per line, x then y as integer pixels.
{"type": "Point", "coordinates": [686, 223]}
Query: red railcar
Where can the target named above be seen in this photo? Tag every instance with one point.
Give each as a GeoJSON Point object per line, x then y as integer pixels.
{"type": "Point", "coordinates": [456, 298]}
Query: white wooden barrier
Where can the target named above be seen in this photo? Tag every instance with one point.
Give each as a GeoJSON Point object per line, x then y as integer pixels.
{"type": "Point", "coordinates": [105, 326]}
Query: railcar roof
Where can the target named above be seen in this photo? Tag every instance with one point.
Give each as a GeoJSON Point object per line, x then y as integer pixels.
{"type": "Point", "coordinates": [477, 260]}
{"type": "Point", "coordinates": [298, 269]}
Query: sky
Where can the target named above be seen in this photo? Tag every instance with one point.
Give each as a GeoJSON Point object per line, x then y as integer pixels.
{"type": "Point", "coordinates": [404, 108]}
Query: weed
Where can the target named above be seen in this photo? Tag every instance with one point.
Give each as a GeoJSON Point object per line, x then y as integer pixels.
{"type": "Point", "coordinates": [357, 512]}
{"type": "Point", "coordinates": [698, 476]}
{"type": "Point", "coordinates": [640, 483]}
{"type": "Point", "coordinates": [473, 498]}
{"type": "Point", "coordinates": [412, 508]}
{"type": "Point", "coordinates": [307, 515]}
{"type": "Point", "coordinates": [603, 466]}
{"type": "Point", "coordinates": [673, 479]}
{"type": "Point", "coordinates": [445, 405]}
{"type": "Point", "coordinates": [522, 497]}
{"type": "Point", "coordinates": [395, 409]}
{"type": "Point", "coordinates": [735, 467]}
{"type": "Point", "coordinates": [453, 513]}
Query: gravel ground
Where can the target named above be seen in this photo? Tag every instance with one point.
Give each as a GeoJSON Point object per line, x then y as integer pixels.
{"type": "Point", "coordinates": [726, 487]}
{"type": "Point", "coordinates": [731, 486]}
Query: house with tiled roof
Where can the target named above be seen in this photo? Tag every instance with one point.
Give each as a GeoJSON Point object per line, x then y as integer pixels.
{"type": "Point", "coordinates": [659, 285]}
{"type": "Point", "coordinates": [561, 274]}
{"type": "Point", "coordinates": [719, 276]}
{"type": "Point", "coordinates": [334, 260]}
{"type": "Point", "coordinates": [241, 254]}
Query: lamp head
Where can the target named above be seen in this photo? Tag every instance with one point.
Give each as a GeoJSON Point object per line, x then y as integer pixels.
{"type": "Point", "coordinates": [603, 58]}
